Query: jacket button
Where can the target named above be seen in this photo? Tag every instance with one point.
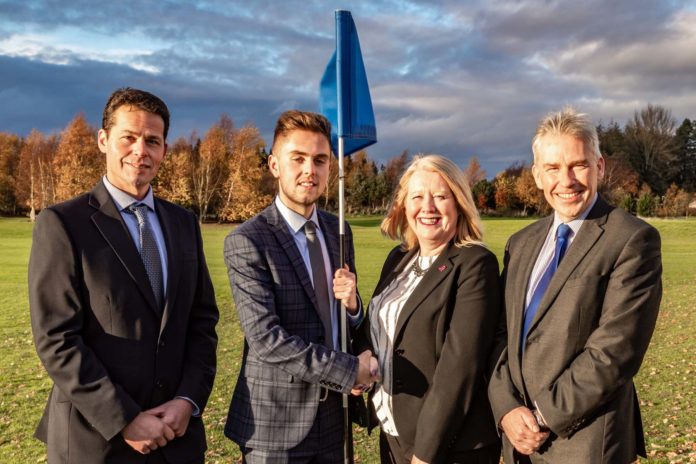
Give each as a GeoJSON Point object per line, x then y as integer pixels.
{"type": "Point", "coordinates": [159, 384]}
{"type": "Point", "coordinates": [399, 352]}
{"type": "Point", "coordinates": [161, 344]}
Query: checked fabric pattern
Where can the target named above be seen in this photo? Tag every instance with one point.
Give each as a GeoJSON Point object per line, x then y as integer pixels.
{"type": "Point", "coordinates": [149, 252]}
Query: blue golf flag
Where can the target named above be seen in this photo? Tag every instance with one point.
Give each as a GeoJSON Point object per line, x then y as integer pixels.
{"type": "Point", "coordinates": [344, 96]}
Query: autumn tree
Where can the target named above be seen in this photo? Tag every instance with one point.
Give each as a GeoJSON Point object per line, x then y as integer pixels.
{"type": "Point", "coordinates": [394, 170]}
{"type": "Point", "coordinates": [474, 173]}
{"type": "Point", "coordinates": [675, 202]}
{"type": "Point", "coordinates": [78, 164]}
{"type": "Point", "coordinates": [243, 193]}
{"type": "Point", "coordinates": [209, 165]}
{"type": "Point", "coordinates": [173, 181]}
{"type": "Point", "coordinates": [650, 146]}
{"type": "Point", "coordinates": [504, 193]}
{"type": "Point", "coordinates": [527, 192]}
{"type": "Point", "coordinates": [35, 185]}
{"type": "Point", "coordinates": [620, 183]}
{"type": "Point", "coordinates": [10, 146]}
{"type": "Point", "coordinates": [483, 192]}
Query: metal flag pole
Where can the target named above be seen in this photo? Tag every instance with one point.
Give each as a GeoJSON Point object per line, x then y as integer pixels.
{"type": "Point", "coordinates": [347, 445]}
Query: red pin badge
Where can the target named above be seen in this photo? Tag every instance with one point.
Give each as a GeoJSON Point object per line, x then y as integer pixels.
{"type": "Point", "coordinates": [442, 268]}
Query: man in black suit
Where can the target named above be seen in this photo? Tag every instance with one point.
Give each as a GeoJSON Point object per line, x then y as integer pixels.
{"type": "Point", "coordinates": [122, 308]}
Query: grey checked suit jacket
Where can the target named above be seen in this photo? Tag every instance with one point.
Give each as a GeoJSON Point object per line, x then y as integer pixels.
{"type": "Point", "coordinates": [586, 341]}
{"type": "Point", "coordinates": [285, 363]}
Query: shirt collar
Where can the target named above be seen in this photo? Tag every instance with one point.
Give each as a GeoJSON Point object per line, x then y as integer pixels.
{"type": "Point", "coordinates": [576, 223]}
{"type": "Point", "coordinates": [295, 220]}
{"type": "Point", "coordinates": [123, 200]}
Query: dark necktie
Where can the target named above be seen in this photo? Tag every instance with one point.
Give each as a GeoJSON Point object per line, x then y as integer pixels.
{"type": "Point", "coordinates": [562, 234]}
{"type": "Point", "coordinates": [321, 290]}
{"type": "Point", "coordinates": [149, 252]}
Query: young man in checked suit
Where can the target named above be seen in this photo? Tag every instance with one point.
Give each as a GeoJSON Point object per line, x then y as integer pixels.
{"type": "Point", "coordinates": [287, 283]}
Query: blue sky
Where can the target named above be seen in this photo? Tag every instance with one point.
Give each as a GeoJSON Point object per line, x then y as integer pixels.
{"type": "Point", "coordinates": [459, 78]}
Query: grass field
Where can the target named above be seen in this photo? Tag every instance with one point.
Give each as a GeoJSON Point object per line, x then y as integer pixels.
{"type": "Point", "coordinates": [666, 383]}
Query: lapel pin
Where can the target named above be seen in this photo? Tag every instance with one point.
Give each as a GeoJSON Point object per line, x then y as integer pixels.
{"type": "Point", "coordinates": [442, 268]}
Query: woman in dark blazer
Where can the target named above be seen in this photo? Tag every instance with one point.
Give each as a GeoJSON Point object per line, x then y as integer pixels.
{"type": "Point", "coordinates": [432, 323]}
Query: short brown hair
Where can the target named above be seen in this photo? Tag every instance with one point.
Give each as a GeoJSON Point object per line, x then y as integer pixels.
{"type": "Point", "coordinates": [139, 99]}
{"type": "Point", "coordinates": [395, 224]}
{"type": "Point", "coordinates": [301, 120]}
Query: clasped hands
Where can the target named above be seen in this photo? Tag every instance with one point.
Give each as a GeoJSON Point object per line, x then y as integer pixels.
{"type": "Point", "coordinates": [523, 431]}
{"type": "Point", "coordinates": [158, 426]}
{"type": "Point", "coordinates": [368, 373]}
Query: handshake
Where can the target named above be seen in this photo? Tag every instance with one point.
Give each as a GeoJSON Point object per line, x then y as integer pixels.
{"type": "Point", "coordinates": [368, 373]}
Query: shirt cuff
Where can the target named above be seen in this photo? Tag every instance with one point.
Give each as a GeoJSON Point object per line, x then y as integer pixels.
{"type": "Point", "coordinates": [196, 410]}
{"type": "Point", "coordinates": [356, 319]}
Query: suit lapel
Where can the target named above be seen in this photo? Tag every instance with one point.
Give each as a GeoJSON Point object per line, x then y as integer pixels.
{"type": "Point", "coordinates": [110, 224]}
{"type": "Point", "coordinates": [403, 259]}
{"type": "Point", "coordinates": [437, 272]}
{"type": "Point", "coordinates": [330, 230]}
{"type": "Point", "coordinates": [169, 225]}
{"type": "Point", "coordinates": [288, 245]}
{"type": "Point", "coordinates": [529, 250]}
{"type": "Point", "coordinates": [591, 230]}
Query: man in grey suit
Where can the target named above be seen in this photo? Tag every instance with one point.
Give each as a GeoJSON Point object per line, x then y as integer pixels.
{"type": "Point", "coordinates": [122, 308]}
{"type": "Point", "coordinates": [286, 281]}
{"type": "Point", "coordinates": [582, 293]}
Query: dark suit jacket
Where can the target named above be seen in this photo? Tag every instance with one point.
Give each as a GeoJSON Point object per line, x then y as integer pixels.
{"type": "Point", "coordinates": [442, 354]}
{"type": "Point", "coordinates": [285, 363]}
{"type": "Point", "coordinates": [99, 335]}
{"type": "Point", "coordinates": [587, 339]}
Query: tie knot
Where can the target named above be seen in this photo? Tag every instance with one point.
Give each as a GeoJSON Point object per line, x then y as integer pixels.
{"type": "Point", "coordinates": [310, 229]}
{"type": "Point", "coordinates": [563, 232]}
{"type": "Point", "coordinates": [140, 211]}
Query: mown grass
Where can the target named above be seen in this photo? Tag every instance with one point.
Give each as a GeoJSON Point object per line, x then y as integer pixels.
{"type": "Point", "coordinates": [666, 384]}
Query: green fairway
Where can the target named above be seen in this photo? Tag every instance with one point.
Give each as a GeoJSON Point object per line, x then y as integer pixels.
{"type": "Point", "coordinates": [666, 383]}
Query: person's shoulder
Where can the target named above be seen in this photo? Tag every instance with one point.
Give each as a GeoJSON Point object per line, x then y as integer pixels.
{"type": "Point", "coordinates": [70, 209]}
{"type": "Point", "coordinates": [175, 209]}
{"type": "Point", "coordinates": [255, 225]}
{"type": "Point", "coordinates": [327, 217]}
{"type": "Point", "coordinates": [539, 226]}
{"type": "Point", "coordinates": [471, 253]}
{"type": "Point", "coordinates": [617, 217]}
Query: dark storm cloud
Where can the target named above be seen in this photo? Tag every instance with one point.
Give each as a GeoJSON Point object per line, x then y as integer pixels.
{"type": "Point", "coordinates": [458, 78]}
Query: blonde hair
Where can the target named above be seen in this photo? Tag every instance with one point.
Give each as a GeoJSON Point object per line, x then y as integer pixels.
{"type": "Point", "coordinates": [570, 122]}
{"type": "Point", "coordinates": [395, 224]}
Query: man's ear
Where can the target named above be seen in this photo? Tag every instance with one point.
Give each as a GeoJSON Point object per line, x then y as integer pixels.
{"type": "Point", "coordinates": [273, 165]}
{"type": "Point", "coordinates": [537, 179]}
{"type": "Point", "coordinates": [102, 138]}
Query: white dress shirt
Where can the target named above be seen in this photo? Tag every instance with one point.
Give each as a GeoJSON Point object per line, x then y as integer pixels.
{"type": "Point", "coordinates": [384, 310]}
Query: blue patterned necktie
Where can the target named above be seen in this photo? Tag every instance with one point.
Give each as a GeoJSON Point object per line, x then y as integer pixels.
{"type": "Point", "coordinates": [321, 289]}
{"type": "Point", "coordinates": [149, 252]}
{"type": "Point", "coordinates": [562, 234]}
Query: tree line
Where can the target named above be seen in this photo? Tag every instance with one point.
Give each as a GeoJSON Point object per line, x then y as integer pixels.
{"type": "Point", "coordinates": [223, 177]}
